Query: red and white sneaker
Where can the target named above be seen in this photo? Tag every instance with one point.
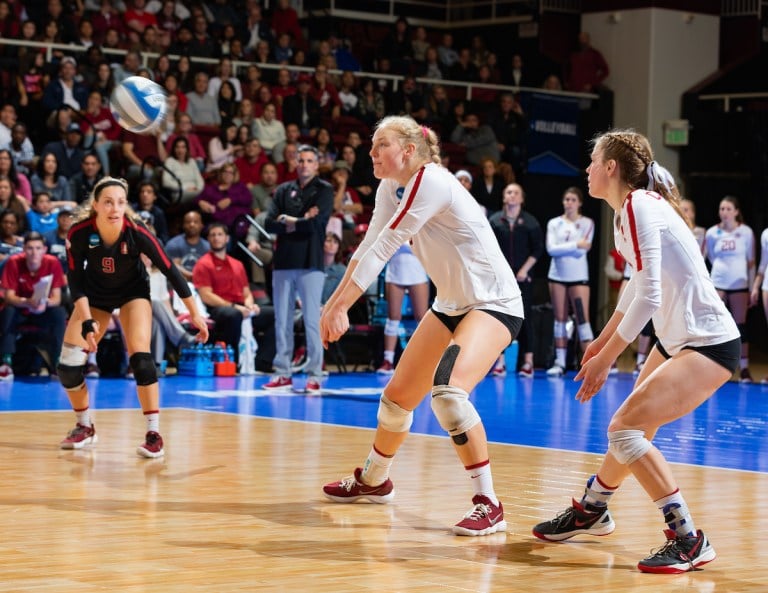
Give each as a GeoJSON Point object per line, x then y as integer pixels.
{"type": "Point", "coordinates": [278, 382]}
{"type": "Point", "coordinates": [6, 372]}
{"type": "Point", "coordinates": [79, 437]}
{"type": "Point", "coordinates": [499, 370]}
{"type": "Point", "coordinates": [152, 446]}
{"type": "Point", "coordinates": [352, 489]}
{"type": "Point", "coordinates": [526, 370]}
{"type": "Point", "coordinates": [483, 519]}
{"type": "Point", "coordinates": [313, 387]}
{"type": "Point", "coordinates": [386, 368]}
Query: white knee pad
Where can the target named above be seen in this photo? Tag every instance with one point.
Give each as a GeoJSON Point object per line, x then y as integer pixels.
{"type": "Point", "coordinates": [561, 329]}
{"type": "Point", "coordinates": [585, 332]}
{"type": "Point", "coordinates": [392, 327]}
{"type": "Point", "coordinates": [72, 356]}
{"type": "Point", "coordinates": [392, 417]}
{"type": "Point", "coordinates": [627, 446]}
{"type": "Point", "coordinates": [454, 411]}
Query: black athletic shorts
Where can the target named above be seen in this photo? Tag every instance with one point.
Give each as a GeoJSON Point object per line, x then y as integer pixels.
{"type": "Point", "coordinates": [726, 354]}
{"type": "Point", "coordinates": [511, 322]}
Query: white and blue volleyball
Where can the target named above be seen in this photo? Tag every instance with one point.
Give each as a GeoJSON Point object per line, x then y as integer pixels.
{"type": "Point", "coordinates": [138, 104]}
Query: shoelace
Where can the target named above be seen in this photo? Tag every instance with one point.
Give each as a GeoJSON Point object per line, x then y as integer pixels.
{"type": "Point", "coordinates": [563, 517]}
{"type": "Point", "coordinates": [479, 511]}
{"type": "Point", "coordinates": [348, 482]}
{"type": "Point", "coordinates": [672, 547]}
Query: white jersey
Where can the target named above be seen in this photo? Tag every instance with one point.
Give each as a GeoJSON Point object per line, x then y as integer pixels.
{"type": "Point", "coordinates": [450, 236]}
{"type": "Point", "coordinates": [764, 259]}
{"type": "Point", "coordinates": [569, 262]}
{"type": "Point", "coordinates": [669, 283]}
{"type": "Point", "coordinates": [730, 253]}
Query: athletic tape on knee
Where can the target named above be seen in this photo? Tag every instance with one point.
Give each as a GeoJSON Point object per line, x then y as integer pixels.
{"type": "Point", "coordinates": [392, 327]}
{"type": "Point", "coordinates": [585, 333]}
{"type": "Point", "coordinates": [392, 417]}
{"type": "Point", "coordinates": [73, 356]}
{"type": "Point", "coordinates": [561, 329]}
{"type": "Point", "coordinates": [627, 446]}
{"type": "Point", "coordinates": [453, 410]}
{"type": "Point", "coordinates": [143, 367]}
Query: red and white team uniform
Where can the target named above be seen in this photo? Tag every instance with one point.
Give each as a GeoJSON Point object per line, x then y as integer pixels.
{"type": "Point", "coordinates": [669, 276]}
{"type": "Point", "coordinates": [450, 236]}
{"type": "Point", "coordinates": [569, 262]}
{"type": "Point", "coordinates": [730, 252]}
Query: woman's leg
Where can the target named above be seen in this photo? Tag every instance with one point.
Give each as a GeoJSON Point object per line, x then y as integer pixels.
{"type": "Point", "coordinates": [558, 294]}
{"type": "Point", "coordinates": [579, 298]}
{"type": "Point", "coordinates": [738, 304]}
{"type": "Point", "coordinates": [395, 295]}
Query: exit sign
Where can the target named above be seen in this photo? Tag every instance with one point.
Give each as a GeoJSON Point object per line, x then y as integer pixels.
{"type": "Point", "coordinates": [676, 132]}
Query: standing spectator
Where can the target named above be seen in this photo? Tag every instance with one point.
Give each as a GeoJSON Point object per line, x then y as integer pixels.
{"type": "Point", "coordinates": [730, 248]}
{"type": "Point", "coordinates": [522, 241]}
{"type": "Point", "coordinates": [226, 199]}
{"type": "Point", "coordinates": [105, 274]}
{"type": "Point", "coordinates": [189, 246]}
{"type": "Point", "coordinates": [20, 275]}
{"type": "Point", "coordinates": [478, 139]}
{"type": "Point", "coordinates": [82, 183]}
{"type": "Point", "coordinates": [488, 187]}
{"type": "Point", "coordinates": [569, 239]}
{"type": "Point", "coordinates": [298, 216]}
{"type": "Point", "coordinates": [202, 107]}
{"type": "Point", "coordinates": [586, 68]}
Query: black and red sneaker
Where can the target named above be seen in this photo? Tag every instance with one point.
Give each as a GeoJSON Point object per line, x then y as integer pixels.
{"type": "Point", "coordinates": [680, 554]}
{"type": "Point", "coordinates": [575, 520]}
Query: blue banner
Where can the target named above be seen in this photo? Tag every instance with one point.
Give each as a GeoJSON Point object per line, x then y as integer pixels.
{"type": "Point", "coordinates": [554, 143]}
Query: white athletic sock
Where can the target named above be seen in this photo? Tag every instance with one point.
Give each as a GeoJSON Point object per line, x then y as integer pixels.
{"type": "Point", "coordinates": [640, 358]}
{"type": "Point", "coordinates": [84, 417]}
{"type": "Point", "coordinates": [596, 494]}
{"type": "Point", "coordinates": [389, 356]}
{"type": "Point", "coordinates": [676, 514]}
{"type": "Point", "coordinates": [153, 420]}
{"type": "Point", "coordinates": [376, 468]}
{"type": "Point", "coordinates": [482, 480]}
{"type": "Point", "coordinates": [91, 358]}
{"type": "Point", "coordinates": [560, 356]}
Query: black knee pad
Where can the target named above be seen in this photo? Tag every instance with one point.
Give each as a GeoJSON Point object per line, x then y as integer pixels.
{"type": "Point", "coordinates": [445, 366]}
{"type": "Point", "coordinates": [143, 367]}
{"type": "Point", "coordinates": [71, 378]}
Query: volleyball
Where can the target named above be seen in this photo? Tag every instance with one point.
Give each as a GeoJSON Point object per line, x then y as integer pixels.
{"type": "Point", "coordinates": [138, 104]}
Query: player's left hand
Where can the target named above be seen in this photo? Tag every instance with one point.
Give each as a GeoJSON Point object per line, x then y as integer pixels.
{"type": "Point", "coordinates": [199, 322]}
{"type": "Point", "coordinates": [334, 323]}
{"type": "Point", "coordinates": [593, 373]}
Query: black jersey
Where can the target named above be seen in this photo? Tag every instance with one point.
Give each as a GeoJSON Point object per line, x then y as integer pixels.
{"type": "Point", "coordinates": [110, 275]}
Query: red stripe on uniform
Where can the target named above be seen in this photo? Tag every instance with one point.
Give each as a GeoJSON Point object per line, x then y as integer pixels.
{"type": "Point", "coordinates": [410, 199]}
{"type": "Point", "coordinates": [157, 244]}
{"type": "Point", "coordinates": [633, 233]}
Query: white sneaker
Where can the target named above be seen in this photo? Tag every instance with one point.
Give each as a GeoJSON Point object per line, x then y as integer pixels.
{"type": "Point", "coordinates": [555, 371]}
{"type": "Point", "coordinates": [6, 372]}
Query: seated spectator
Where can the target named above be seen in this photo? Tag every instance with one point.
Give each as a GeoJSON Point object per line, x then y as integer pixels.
{"type": "Point", "coordinates": [68, 151]}
{"type": "Point", "coordinates": [223, 287]}
{"type": "Point", "coordinates": [202, 107]}
{"type": "Point", "coordinates": [348, 95]}
{"type": "Point", "coordinates": [484, 97]}
{"type": "Point", "coordinates": [255, 28]}
{"type": "Point", "coordinates": [222, 149]}
{"type": "Point", "coordinates": [252, 82]}
{"type": "Point", "coordinates": [431, 67]}
{"type": "Point", "coordinates": [224, 72]}
{"type": "Point", "coordinates": [183, 129]}
{"type": "Point", "coordinates": [171, 85]}
{"type": "Point", "coordinates": [56, 240]}
{"type": "Point", "coordinates": [334, 268]}
{"type": "Point", "coordinates": [48, 178]}
{"type": "Point", "coordinates": [41, 217]}
{"type": "Point", "coordinates": [22, 306]}
{"type": "Point", "coordinates": [250, 163]}
{"type": "Point", "coordinates": [286, 170]}
{"type": "Point", "coordinates": [438, 108]}
{"type": "Point", "coordinates": [246, 117]}
{"type": "Point", "coordinates": [283, 50]}
{"type": "Point", "coordinates": [142, 152]}
{"type": "Point", "coordinates": [19, 180]}
{"type": "Point", "coordinates": [228, 105]}
{"type": "Point", "coordinates": [189, 246]}
{"type": "Point", "coordinates": [270, 130]}
{"type": "Point", "coordinates": [302, 109]}
{"type": "Point", "coordinates": [284, 88]}
{"type": "Point", "coordinates": [445, 51]}
{"type": "Point", "coordinates": [465, 178]}
{"type": "Point", "coordinates": [101, 130]}
{"type": "Point", "coordinates": [326, 151]}
{"type": "Point", "coordinates": [361, 178]}
{"type": "Point", "coordinates": [225, 199]}
{"type": "Point", "coordinates": [262, 99]}
{"type": "Point", "coordinates": [346, 203]}
{"type": "Point", "coordinates": [464, 69]}
{"type": "Point", "coordinates": [129, 66]}
{"type": "Point", "coordinates": [479, 140]}
{"type": "Point", "coordinates": [21, 149]}
{"type": "Point", "coordinates": [63, 90]}
{"type": "Point", "coordinates": [146, 203]}
{"type": "Point", "coordinates": [552, 83]}
{"type": "Point", "coordinates": [82, 183]}
{"type": "Point", "coordinates": [181, 168]}
{"type": "Point", "coordinates": [408, 100]}
{"type": "Point", "coordinates": [10, 241]}
{"type": "Point", "coordinates": [325, 93]}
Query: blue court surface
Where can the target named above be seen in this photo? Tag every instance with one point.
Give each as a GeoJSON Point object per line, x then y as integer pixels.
{"type": "Point", "coordinates": [728, 431]}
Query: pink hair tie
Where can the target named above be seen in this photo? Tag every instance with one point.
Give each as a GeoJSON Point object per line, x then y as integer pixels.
{"type": "Point", "coordinates": [425, 132]}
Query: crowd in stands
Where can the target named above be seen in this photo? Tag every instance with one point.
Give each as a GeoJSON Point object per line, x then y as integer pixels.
{"type": "Point", "coordinates": [232, 134]}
